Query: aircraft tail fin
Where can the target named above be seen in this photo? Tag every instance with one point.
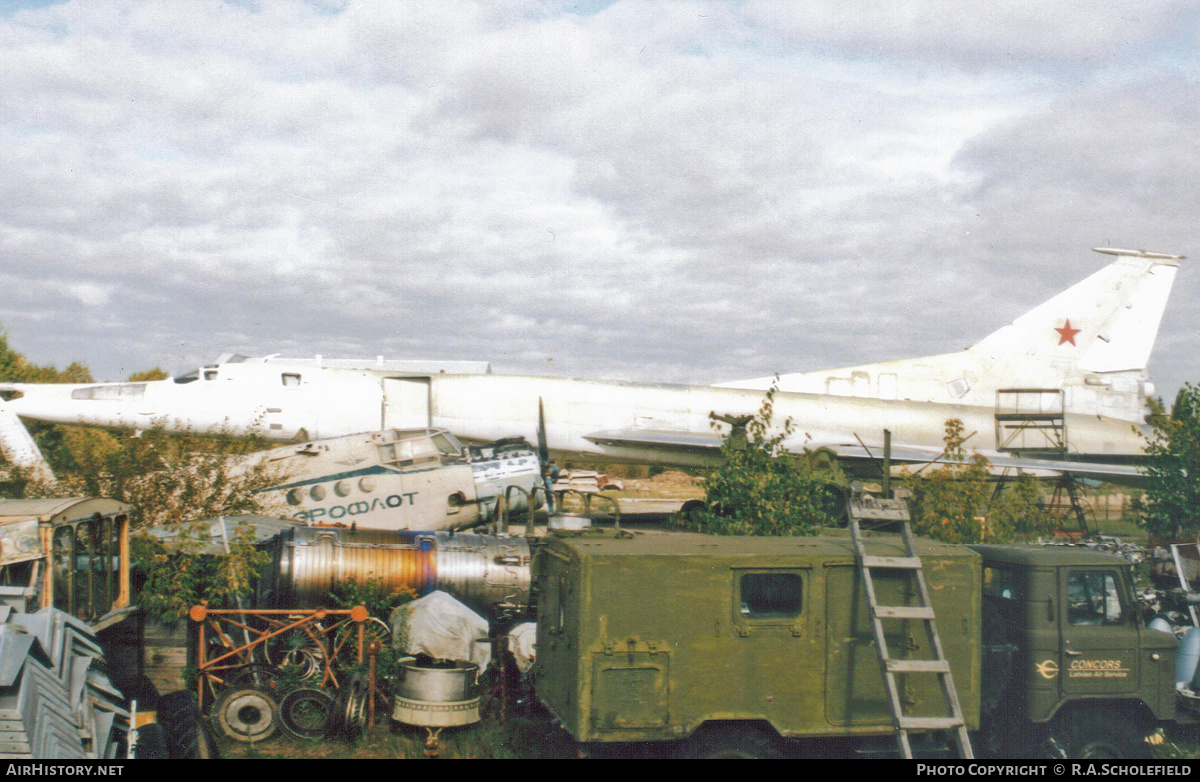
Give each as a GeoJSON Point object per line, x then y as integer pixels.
{"type": "Point", "coordinates": [1106, 323]}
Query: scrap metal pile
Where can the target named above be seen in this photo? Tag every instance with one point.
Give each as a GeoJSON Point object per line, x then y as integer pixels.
{"type": "Point", "coordinates": [56, 702]}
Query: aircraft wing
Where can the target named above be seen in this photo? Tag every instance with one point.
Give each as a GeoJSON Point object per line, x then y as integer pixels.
{"type": "Point", "coordinates": [917, 456]}
{"type": "Point", "coordinates": [852, 454]}
{"type": "Point", "coordinates": [671, 440]}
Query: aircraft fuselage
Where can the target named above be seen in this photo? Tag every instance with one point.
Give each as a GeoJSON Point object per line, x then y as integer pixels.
{"type": "Point", "coordinates": [599, 420]}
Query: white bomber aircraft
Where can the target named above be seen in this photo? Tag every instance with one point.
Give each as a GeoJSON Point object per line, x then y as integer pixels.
{"type": "Point", "coordinates": [1063, 388]}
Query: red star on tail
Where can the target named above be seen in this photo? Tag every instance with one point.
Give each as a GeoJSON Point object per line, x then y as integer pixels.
{"type": "Point", "coordinates": [1067, 334]}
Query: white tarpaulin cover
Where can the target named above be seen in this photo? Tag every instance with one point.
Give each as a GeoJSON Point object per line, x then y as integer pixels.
{"type": "Point", "coordinates": [522, 642]}
{"type": "Point", "coordinates": [441, 627]}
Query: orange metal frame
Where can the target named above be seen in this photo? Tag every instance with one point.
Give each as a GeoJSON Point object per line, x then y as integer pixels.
{"type": "Point", "coordinates": [260, 626]}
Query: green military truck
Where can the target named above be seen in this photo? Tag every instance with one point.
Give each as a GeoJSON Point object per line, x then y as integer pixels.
{"type": "Point", "coordinates": [751, 646]}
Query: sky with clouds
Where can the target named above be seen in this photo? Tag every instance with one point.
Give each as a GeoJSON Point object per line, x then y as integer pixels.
{"type": "Point", "coordinates": [676, 191]}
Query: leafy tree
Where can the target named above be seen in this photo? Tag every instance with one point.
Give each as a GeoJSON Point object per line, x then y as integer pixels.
{"type": "Point", "coordinates": [957, 502]}
{"type": "Point", "coordinates": [174, 480]}
{"type": "Point", "coordinates": [759, 488]}
{"type": "Point", "coordinates": [180, 574]}
{"type": "Point", "coordinates": [176, 477]}
{"type": "Point", "coordinates": [150, 374]}
{"type": "Point", "coordinates": [53, 440]}
{"type": "Point", "coordinates": [1173, 466]}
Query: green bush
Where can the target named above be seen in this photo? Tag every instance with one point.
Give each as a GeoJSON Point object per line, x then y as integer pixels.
{"type": "Point", "coordinates": [1173, 466]}
{"type": "Point", "coordinates": [759, 488]}
{"type": "Point", "coordinates": [957, 502]}
{"type": "Point", "coordinates": [178, 576]}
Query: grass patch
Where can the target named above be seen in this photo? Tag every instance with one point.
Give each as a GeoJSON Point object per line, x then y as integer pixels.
{"type": "Point", "coordinates": [519, 736]}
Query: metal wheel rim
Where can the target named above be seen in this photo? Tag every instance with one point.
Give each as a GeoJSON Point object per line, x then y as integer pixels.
{"type": "Point", "coordinates": [296, 712]}
{"type": "Point", "coordinates": [247, 715]}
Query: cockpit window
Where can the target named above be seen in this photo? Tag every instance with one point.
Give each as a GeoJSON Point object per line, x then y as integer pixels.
{"type": "Point", "coordinates": [210, 374]}
{"type": "Point", "coordinates": [290, 379]}
{"type": "Point", "coordinates": [190, 377]}
{"type": "Point", "coordinates": [123, 391]}
{"type": "Point", "coordinates": [446, 444]}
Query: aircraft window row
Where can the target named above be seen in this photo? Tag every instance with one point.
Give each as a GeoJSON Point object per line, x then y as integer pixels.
{"type": "Point", "coordinates": [109, 393]}
{"type": "Point", "coordinates": [295, 496]}
{"type": "Point", "coordinates": [859, 385]}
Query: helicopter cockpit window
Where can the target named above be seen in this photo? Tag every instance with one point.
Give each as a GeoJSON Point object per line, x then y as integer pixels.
{"type": "Point", "coordinates": [446, 444]}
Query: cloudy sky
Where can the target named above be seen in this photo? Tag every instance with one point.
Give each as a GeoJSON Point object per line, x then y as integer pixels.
{"type": "Point", "coordinates": [680, 191]}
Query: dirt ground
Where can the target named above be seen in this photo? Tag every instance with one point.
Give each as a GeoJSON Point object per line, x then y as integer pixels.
{"type": "Point", "coordinates": [670, 484]}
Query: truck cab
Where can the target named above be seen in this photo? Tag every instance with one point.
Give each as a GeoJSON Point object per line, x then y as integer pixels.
{"type": "Point", "coordinates": [1085, 672]}
{"type": "Point", "coordinates": [70, 553]}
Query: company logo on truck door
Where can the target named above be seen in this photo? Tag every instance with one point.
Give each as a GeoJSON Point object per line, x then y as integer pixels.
{"type": "Point", "coordinates": [1048, 669]}
{"type": "Point", "coordinates": [1097, 669]}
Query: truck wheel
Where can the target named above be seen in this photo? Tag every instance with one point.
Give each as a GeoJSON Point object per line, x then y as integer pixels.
{"type": "Point", "coordinates": [150, 745]}
{"type": "Point", "coordinates": [731, 741]}
{"type": "Point", "coordinates": [185, 735]}
{"type": "Point", "coordinates": [1095, 734]}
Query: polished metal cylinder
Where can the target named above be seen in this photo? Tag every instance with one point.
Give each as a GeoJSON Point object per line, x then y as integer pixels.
{"type": "Point", "coordinates": [437, 685]}
{"type": "Point", "coordinates": [489, 573]}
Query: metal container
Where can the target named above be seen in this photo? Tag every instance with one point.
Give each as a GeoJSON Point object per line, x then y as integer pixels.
{"type": "Point", "coordinates": [489, 573]}
{"type": "Point", "coordinates": [437, 684]}
{"type": "Point", "coordinates": [1187, 659]}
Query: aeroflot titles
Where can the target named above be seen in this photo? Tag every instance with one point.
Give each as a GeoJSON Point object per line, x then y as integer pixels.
{"type": "Point", "coordinates": [357, 508]}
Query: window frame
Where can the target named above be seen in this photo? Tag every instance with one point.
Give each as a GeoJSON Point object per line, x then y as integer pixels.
{"type": "Point", "coordinates": [1107, 577]}
{"type": "Point", "coordinates": [748, 623]}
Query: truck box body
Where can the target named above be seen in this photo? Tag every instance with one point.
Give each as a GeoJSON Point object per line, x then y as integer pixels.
{"type": "Point", "coordinates": [646, 637]}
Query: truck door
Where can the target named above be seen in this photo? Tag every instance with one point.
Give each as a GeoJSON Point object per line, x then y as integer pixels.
{"type": "Point", "coordinates": [778, 648]}
{"type": "Point", "coordinates": [1099, 653]}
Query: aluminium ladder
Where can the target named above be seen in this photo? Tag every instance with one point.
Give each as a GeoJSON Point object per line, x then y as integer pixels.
{"type": "Point", "coordinates": [938, 666]}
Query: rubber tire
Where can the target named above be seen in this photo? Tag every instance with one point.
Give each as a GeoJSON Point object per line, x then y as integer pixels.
{"type": "Point", "coordinates": [1094, 734]}
{"type": "Point", "coordinates": [299, 699]}
{"type": "Point", "coordinates": [349, 719]}
{"type": "Point", "coordinates": [150, 744]}
{"type": "Point", "coordinates": [185, 735]}
{"type": "Point", "coordinates": [723, 742]}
